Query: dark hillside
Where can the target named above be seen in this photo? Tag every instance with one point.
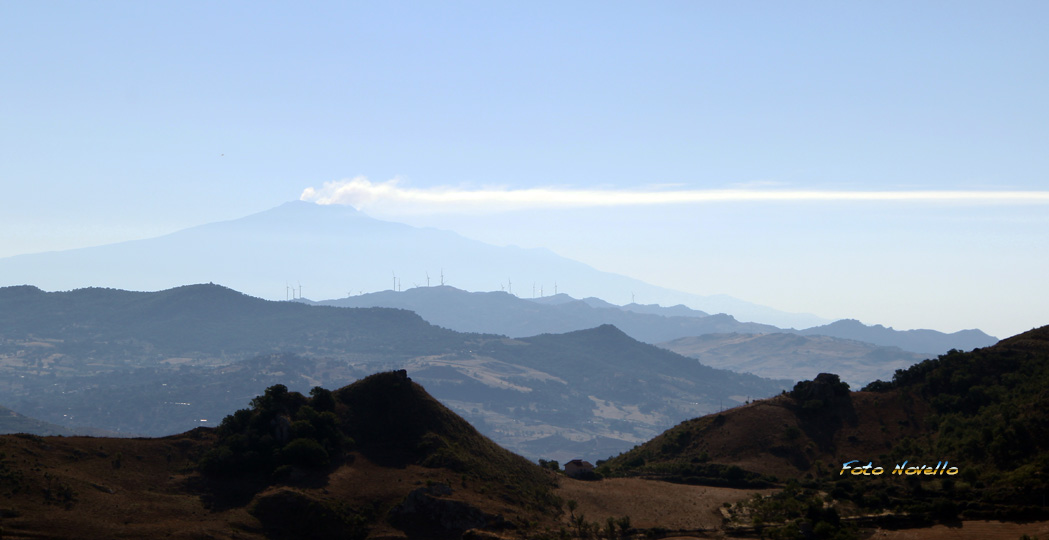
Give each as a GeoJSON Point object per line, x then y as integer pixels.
{"type": "Point", "coordinates": [985, 408]}
{"type": "Point", "coordinates": [396, 422]}
{"type": "Point", "coordinates": [379, 458]}
{"type": "Point", "coordinates": [389, 419]}
{"type": "Point", "coordinates": [983, 411]}
{"type": "Point", "coordinates": [385, 419]}
{"type": "Point", "coordinates": [989, 406]}
{"type": "Point", "coordinates": [796, 435]}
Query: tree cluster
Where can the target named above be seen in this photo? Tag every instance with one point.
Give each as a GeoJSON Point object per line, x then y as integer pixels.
{"type": "Point", "coordinates": [282, 430]}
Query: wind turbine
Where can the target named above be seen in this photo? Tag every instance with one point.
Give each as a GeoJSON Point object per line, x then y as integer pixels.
{"type": "Point", "coordinates": [427, 279]}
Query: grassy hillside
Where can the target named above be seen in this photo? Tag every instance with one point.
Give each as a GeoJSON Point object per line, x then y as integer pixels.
{"type": "Point", "coordinates": [988, 408]}
{"type": "Point", "coordinates": [982, 411]}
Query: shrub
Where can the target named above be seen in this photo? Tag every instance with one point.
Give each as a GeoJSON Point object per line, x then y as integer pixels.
{"type": "Point", "coordinates": [304, 453]}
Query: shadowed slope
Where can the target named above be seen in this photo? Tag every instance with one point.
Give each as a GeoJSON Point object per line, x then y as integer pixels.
{"type": "Point", "coordinates": [396, 423]}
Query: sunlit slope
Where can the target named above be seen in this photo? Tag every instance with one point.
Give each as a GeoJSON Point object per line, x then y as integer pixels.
{"type": "Point", "coordinates": [983, 411]}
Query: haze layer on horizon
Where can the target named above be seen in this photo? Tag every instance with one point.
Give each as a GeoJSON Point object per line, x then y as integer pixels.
{"type": "Point", "coordinates": [922, 128]}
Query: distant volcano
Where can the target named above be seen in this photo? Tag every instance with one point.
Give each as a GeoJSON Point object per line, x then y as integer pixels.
{"type": "Point", "coordinates": [326, 252]}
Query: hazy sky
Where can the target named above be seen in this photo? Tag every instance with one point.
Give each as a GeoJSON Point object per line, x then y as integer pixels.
{"type": "Point", "coordinates": [887, 161]}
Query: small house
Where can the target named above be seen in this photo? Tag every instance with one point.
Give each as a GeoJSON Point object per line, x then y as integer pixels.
{"type": "Point", "coordinates": [578, 467]}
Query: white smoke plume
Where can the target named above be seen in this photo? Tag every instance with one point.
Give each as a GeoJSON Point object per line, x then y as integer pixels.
{"type": "Point", "coordinates": [361, 193]}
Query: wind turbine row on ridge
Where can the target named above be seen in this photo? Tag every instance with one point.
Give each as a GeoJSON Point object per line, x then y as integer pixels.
{"type": "Point", "coordinates": [289, 292]}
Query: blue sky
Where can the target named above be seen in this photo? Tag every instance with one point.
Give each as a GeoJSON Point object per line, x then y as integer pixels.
{"type": "Point", "coordinates": [126, 120]}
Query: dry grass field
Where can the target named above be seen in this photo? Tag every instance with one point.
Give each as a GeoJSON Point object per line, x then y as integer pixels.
{"type": "Point", "coordinates": [651, 503]}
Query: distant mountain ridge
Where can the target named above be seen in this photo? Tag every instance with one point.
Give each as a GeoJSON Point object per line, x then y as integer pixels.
{"type": "Point", "coordinates": [795, 356]}
{"type": "Point", "coordinates": [200, 318]}
{"type": "Point", "coordinates": [505, 314]}
{"type": "Point", "coordinates": [921, 341]}
{"type": "Point", "coordinates": [679, 310]}
{"type": "Point", "coordinates": [326, 251]}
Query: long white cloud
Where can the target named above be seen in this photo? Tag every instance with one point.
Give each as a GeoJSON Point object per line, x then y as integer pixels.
{"type": "Point", "coordinates": [361, 193]}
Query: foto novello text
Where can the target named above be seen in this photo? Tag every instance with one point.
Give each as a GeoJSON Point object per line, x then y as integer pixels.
{"type": "Point", "coordinates": [901, 469]}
